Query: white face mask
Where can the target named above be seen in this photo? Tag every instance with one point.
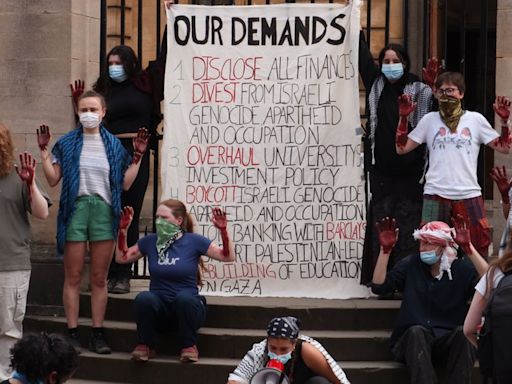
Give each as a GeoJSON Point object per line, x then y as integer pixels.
{"type": "Point", "coordinates": [89, 120]}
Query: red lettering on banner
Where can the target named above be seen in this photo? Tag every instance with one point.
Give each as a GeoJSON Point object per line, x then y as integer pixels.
{"type": "Point", "coordinates": [220, 155]}
{"type": "Point", "coordinates": [345, 230]}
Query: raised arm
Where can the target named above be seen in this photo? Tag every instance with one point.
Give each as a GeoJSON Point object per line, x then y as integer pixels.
{"type": "Point", "coordinates": [27, 172]}
{"type": "Point", "coordinates": [430, 72]}
{"type": "Point", "coordinates": [124, 254]}
{"type": "Point", "coordinates": [51, 171]}
{"type": "Point", "coordinates": [502, 109]}
{"type": "Point", "coordinates": [368, 70]}
{"type": "Point", "coordinates": [388, 236]}
{"type": "Point", "coordinates": [226, 253]}
{"type": "Point", "coordinates": [463, 238]}
{"type": "Point", "coordinates": [140, 146]}
{"type": "Point", "coordinates": [402, 142]}
{"type": "Point", "coordinates": [500, 177]}
{"type": "Point", "coordinates": [76, 92]}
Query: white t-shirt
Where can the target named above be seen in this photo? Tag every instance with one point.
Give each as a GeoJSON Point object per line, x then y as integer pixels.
{"type": "Point", "coordinates": [94, 168]}
{"type": "Point", "coordinates": [481, 287]}
{"type": "Point", "coordinates": [453, 157]}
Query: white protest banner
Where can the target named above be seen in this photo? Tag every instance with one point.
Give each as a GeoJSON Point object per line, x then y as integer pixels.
{"type": "Point", "coordinates": [261, 112]}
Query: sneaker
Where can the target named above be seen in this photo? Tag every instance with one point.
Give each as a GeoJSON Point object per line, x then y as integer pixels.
{"type": "Point", "coordinates": [189, 355]}
{"type": "Point", "coordinates": [111, 284]}
{"type": "Point", "coordinates": [143, 352]}
{"type": "Point", "coordinates": [74, 340]}
{"type": "Point", "coordinates": [121, 286]}
{"type": "Point", "coordinates": [98, 344]}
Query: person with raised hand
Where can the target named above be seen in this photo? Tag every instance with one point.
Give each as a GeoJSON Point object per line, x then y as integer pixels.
{"type": "Point", "coordinates": [174, 255]}
{"type": "Point", "coordinates": [503, 182]}
{"type": "Point", "coordinates": [395, 182]}
{"type": "Point", "coordinates": [453, 137]}
{"type": "Point", "coordinates": [436, 287]}
{"type": "Point", "coordinates": [19, 197]}
{"type": "Point", "coordinates": [95, 168]}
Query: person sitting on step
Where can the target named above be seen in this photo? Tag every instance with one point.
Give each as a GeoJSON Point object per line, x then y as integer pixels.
{"type": "Point", "coordinates": [43, 359]}
{"type": "Point", "coordinates": [436, 289]}
{"type": "Point", "coordinates": [305, 360]}
{"type": "Point", "coordinates": [175, 261]}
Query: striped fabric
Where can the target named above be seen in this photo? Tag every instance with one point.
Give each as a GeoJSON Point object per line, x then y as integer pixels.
{"type": "Point", "coordinates": [256, 358]}
{"type": "Point", "coordinates": [94, 169]}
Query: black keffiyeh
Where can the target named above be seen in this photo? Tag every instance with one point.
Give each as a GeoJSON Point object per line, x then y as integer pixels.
{"type": "Point", "coordinates": [287, 327]}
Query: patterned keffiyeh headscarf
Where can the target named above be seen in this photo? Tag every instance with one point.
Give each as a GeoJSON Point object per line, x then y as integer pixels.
{"type": "Point", "coordinates": [287, 327]}
{"type": "Point", "coordinates": [439, 233]}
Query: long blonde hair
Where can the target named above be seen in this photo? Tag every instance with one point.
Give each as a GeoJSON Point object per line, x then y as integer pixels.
{"type": "Point", "coordinates": [6, 151]}
{"type": "Point", "coordinates": [179, 210]}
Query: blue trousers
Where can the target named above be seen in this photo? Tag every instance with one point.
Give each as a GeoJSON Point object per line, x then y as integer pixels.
{"type": "Point", "coordinates": [185, 314]}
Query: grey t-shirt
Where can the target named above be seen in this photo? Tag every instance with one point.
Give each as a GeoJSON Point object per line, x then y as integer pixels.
{"type": "Point", "coordinates": [14, 224]}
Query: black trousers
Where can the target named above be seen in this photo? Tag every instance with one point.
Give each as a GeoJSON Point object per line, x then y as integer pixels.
{"type": "Point", "coordinates": [420, 350]}
{"type": "Point", "coordinates": [134, 197]}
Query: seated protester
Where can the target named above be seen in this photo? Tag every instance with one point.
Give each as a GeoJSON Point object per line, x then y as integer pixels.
{"type": "Point", "coordinates": [174, 256]}
{"type": "Point", "coordinates": [42, 359]}
{"type": "Point", "coordinates": [436, 288]}
{"type": "Point", "coordinates": [305, 360]}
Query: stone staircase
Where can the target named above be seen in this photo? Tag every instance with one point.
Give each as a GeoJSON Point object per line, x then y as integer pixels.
{"type": "Point", "coordinates": [355, 332]}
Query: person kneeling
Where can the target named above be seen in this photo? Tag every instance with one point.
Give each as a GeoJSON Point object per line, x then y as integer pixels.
{"type": "Point", "coordinates": [305, 360]}
{"type": "Point", "coordinates": [436, 288]}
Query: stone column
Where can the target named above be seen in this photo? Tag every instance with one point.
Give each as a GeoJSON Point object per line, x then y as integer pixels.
{"type": "Point", "coordinates": [44, 45]}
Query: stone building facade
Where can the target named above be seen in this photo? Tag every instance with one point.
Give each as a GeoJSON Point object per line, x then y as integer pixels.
{"type": "Point", "coordinates": [46, 44]}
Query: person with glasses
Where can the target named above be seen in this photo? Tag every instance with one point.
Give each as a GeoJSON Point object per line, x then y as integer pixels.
{"type": "Point", "coordinates": [394, 180]}
{"type": "Point", "coordinates": [453, 137]}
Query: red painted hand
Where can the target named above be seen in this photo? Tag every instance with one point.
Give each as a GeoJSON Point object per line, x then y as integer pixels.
{"type": "Point", "coordinates": [388, 233]}
{"type": "Point", "coordinates": [27, 171]}
{"type": "Point", "coordinates": [405, 105]}
{"type": "Point", "coordinates": [462, 234]}
{"type": "Point", "coordinates": [500, 177]}
{"type": "Point", "coordinates": [126, 217]}
{"type": "Point", "coordinates": [219, 219]}
{"type": "Point", "coordinates": [43, 137]}
{"type": "Point", "coordinates": [77, 90]}
{"type": "Point", "coordinates": [502, 107]}
{"type": "Point", "coordinates": [431, 71]}
{"type": "Point", "coordinates": [140, 144]}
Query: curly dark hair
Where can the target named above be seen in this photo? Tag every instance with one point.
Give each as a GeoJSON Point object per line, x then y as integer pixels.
{"type": "Point", "coordinates": [131, 66]}
{"type": "Point", "coordinates": [38, 355]}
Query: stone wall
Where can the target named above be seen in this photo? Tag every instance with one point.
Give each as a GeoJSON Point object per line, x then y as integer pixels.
{"type": "Point", "coordinates": [44, 44]}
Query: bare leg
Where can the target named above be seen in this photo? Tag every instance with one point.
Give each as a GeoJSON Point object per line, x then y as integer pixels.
{"type": "Point", "coordinates": [101, 256]}
{"type": "Point", "coordinates": [74, 255]}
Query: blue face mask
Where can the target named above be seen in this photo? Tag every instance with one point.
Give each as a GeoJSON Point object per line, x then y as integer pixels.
{"type": "Point", "coordinates": [117, 73]}
{"type": "Point", "coordinates": [282, 358]}
{"type": "Point", "coordinates": [21, 377]}
{"type": "Point", "coordinates": [393, 71]}
{"type": "Point", "coordinates": [429, 257]}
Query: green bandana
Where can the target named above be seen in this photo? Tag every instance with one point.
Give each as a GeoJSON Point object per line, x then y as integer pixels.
{"type": "Point", "coordinates": [450, 110]}
{"type": "Point", "coordinates": [166, 234]}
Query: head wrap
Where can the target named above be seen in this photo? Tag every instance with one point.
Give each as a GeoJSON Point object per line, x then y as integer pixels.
{"type": "Point", "coordinates": [439, 233]}
{"type": "Point", "coordinates": [287, 327]}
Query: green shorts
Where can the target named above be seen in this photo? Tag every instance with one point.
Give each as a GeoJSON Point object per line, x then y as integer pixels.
{"type": "Point", "coordinates": [92, 220]}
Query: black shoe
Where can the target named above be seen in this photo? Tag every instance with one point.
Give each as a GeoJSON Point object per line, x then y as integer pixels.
{"type": "Point", "coordinates": [121, 286]}
{"type": "Point", "coordinates": [98, 343]}
{"type": "Point", "coordinates": [111, 284]}
{"type": "Point", "coordinates": [74, 339]}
